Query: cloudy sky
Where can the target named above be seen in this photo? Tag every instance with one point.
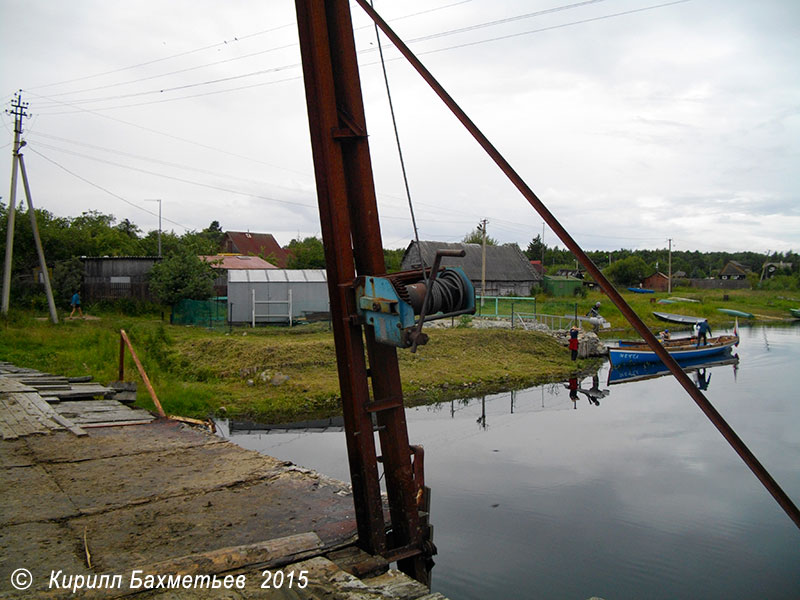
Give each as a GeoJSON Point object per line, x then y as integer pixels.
{"type": "Point", "coordinates": [634, 121]}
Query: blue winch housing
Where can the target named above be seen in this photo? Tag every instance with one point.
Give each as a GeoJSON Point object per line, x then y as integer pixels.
{"type": "Point", "coordinates": [390, 305]}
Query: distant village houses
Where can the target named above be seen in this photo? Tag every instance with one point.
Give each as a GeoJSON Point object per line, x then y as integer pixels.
{"type": "Point", "coordinates": [508, 271]}
{"type": "Point", "coordinates": [255, 244]}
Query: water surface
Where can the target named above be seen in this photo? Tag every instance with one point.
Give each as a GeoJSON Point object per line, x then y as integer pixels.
{"type": "Point", "coordinates": [539, 496]}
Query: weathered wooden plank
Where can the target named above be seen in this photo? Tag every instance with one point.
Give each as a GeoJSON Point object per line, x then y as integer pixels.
{"type": "Point", "coordinates": [98, 424]}
{"type": "Point", "coordinates": [75, 429]}
{"type": "Point", "coordinates": [18, 418]}
{"type": "Point", "coordinates": [121, 416]}
{"type": "Point", "coordinates": [6, 430]}
{"type": "Point", "coordinates": [88, 392]}
{"type": "Point", "coordinates": [8, 385]}
{"type": "Point", "coordinates": [271, 553]}
{"type": "Point", "coordinates": [26, 401]}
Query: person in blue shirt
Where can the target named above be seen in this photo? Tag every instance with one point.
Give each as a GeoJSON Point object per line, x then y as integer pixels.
{"type": "Point", "coordinates": [703, 329]}
{"type": "Point", "coordinates": [76, 304]}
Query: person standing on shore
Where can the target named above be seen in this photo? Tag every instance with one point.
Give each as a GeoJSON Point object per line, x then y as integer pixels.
{"type": "Point", "coordinates": [76, 304]}
{"type": "Point", "coordinates": [573, 342]}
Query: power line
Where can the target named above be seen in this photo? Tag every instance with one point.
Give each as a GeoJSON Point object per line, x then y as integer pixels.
{"type": "Point", "coordinates": [553, 27]}
{"type": "Point", "coordinates": [107, 191]}
{"type": "Point", "coordinates": [214, 63]}
{"type": "Point", "coordinates": [485, 24]}
{"type": "Point", "coordinates": [157, 60]}
{"type": "Point", "coordinates": [366, 50]}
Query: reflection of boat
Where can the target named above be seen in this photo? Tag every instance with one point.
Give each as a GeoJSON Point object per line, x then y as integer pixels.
{"type": "Point", "coordinates": [685, 319]}
{"type": "Point", "coordinates": [640, 290]}
{"type": "Point", "coordinates": [736, 313]}
{"type": "Point", "coordinates": [685, 351]}
{"type": "Point", "coordinates": [642, 371]}
{"type": "Point", "coordinates": [795, 312]}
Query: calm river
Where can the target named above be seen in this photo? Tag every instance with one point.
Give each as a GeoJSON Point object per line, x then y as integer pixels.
{"type": "Point", "coordinates": [537, 496]}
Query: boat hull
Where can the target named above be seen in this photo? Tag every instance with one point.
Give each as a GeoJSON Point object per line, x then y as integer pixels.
{"type": "Point", "coordinates": [684, 319]}
{"type": "Point", "coordinates": [736, 313]}
{"type": "Point", "coordinates": [627, 355]}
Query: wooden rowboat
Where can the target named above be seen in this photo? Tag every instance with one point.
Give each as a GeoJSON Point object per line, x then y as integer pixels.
{"type": "Point", "coordinates": [623, 355]}
{"type": "Point", "coordinates": [684, 319]}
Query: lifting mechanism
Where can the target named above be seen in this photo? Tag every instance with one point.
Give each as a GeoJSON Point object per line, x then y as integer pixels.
{"type": "Point", "coordinates": [369, 308]}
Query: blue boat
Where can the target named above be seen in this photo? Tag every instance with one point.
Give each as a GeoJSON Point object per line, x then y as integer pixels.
{"type": "Point", "coordinates": [641, 290]}
{"type": "Point", "coordinates": [644, 354]}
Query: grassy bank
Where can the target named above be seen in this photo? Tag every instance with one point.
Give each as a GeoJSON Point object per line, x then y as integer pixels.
{"type": "Point", "coordinates": [766, 306]}
{"type": "Point", "coordinates": [278, 373]}
{"type": "Point", "coordinates": [275, 373]}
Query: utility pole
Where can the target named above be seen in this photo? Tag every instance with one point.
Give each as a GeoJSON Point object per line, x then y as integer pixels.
{"type": "Point", "coordinates": [18, 108]}
{"type": "Point", "coordinates": [482, 227]}
{"type": "Point", "coordinates": [669, 268]}
{"type": "Point", "coordinates": [159, 221]}
{"type": "Point", "coordinates": [542, 246]}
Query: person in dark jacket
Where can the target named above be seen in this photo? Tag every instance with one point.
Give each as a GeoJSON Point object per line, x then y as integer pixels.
{"type": "Point", "coordinates": [703, 330]}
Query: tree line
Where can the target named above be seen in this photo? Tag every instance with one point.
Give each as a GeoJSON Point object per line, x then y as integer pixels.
{"type": "Point", "coordinates": [93, 233]}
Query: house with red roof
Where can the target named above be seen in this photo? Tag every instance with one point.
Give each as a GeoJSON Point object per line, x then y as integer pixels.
{"type": "Point", "coordinates": [255, 244]}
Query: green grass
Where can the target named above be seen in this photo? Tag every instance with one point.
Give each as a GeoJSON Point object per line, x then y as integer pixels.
{"type": "Point", "coordinates": [274, 373]}
{"type": "Point", "coordinates": [197, 373]}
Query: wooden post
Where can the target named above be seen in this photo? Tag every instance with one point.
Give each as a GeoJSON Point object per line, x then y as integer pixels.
{"type": "Point", "coordinates": [121, 359]}
{"type": "Point", "coordinates": [145, 378]}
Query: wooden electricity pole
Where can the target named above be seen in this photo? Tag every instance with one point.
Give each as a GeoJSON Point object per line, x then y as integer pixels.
{"type": "Point", "coordinates": [18, 110]}
{"type": "Point", "coordinates": [669, 268]}
{"type": "Point", "coordinates": [482, 227]}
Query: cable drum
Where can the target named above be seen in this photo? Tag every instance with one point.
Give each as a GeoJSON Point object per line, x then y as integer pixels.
{"type": "Point", "coordinates": [449, 293]}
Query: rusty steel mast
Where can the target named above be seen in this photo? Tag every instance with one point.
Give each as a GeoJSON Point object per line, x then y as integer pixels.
{"type": "Point", "coordinates": [353, 247]}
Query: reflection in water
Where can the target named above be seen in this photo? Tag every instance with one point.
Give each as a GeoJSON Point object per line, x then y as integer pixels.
{"type": "Point", "coordinates": [644, 371]}
{"type": "Point", "coordinates": [642, 499]}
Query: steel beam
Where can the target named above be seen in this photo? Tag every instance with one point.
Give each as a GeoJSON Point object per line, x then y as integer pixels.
{"type": "Point", "coordinates": [353, 246]}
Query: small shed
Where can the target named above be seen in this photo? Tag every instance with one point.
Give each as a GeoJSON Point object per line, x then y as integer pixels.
{"type": "Point", "coordinates": [275, 295]}
{"type": "Point", "coordinates": [116, 277]}
{"type": "Point", "coordinates": [657, 281]}
{"type": "Point", "coordinates": [733, 270]}
{"type": "Point", "coordinates": [556, 285]}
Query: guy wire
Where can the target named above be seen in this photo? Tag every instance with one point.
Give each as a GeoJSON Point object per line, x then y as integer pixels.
{"type": "Point", "coordinates": [400, 150]}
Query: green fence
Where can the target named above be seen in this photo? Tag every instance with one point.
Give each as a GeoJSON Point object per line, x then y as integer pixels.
{"type": "Point", "coordinates": [212, 313]}
{"type": "Point", "coordinates": [503, 306]}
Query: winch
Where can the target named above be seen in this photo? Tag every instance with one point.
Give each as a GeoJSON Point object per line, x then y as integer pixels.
{"type": "Point", "coordinates": [396, 306]}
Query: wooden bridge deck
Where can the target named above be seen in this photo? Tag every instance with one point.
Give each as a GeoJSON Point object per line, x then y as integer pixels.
{"type": "Point", "coordinates": [166, 498]}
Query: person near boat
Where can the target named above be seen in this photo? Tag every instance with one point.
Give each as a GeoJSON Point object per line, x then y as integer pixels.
{"type": "Point", "coordinates": [703, 330]}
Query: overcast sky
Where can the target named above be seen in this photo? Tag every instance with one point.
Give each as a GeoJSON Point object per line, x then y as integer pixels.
{"type": "Point", "coordinates": [634, 121]}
